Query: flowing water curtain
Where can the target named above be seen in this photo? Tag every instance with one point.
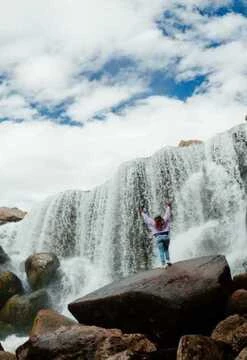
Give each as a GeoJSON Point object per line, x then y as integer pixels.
{"type": "Point", "coordinates": [205, 182]}
{"type": "Point", "coordinates": [134, 192]}
{"type": "Point", "coordinates": [214, 197]}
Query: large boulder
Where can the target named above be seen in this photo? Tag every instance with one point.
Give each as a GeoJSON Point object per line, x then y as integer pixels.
{"type": "Point", "coordinates": [200, 348]}
{"type": "Point", "coordinates": [11, 215]}
{"type": "Point", "coordinates": [20, 310]}
{"type": "Point", "coordinates": [10, 285]}
{"type": "Point", "coordinates": [48, 320]}
{"type": "Point", "coordinates": [82, 342]}
{"type": "Point", "coordinates": [41, 269]}
{"type": "Point", "coordinates": [188, 297]}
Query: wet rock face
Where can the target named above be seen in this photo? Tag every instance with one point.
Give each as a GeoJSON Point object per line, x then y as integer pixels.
{"type": "Point", "coordinates": [41, 269]}
{"type": "Point", "coordinates": [82, 342]}
{"type": "Point", "coordinates": [11, 215]}
{"type": "Point", "coordinates": [10, 285]}
{"type": "Point", "coordinates": [189, 297]}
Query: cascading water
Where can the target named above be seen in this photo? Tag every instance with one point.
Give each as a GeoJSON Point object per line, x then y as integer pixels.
{"type": "Point", "coordinates": [99, 235]}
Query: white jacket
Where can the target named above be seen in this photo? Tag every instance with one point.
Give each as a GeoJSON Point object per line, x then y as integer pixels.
{"type": "Point", "coordinates": [151, 223]}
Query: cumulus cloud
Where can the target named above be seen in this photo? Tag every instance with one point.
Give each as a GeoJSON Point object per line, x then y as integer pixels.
{"type": "Point", "coordinates": [55, 55]}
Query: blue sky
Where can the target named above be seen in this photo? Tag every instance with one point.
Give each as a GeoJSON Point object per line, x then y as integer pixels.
{"type": "Point", "coordinates": [82, 79]}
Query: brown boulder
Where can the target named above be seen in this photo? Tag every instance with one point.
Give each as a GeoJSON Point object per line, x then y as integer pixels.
{"type": "Point", "coordinates": [4, 355]}
{"type": "Point", "coordinates": [82, 342]}
{"type": "Point", "coordinates": [184, 143]}
{"type": "Point", "coordinates": [200, 348]}
{"type": "Point", "coordinates": [188, 297]}
{"type": "Point", "coordinates": [242, 355]}
{"type": "Point", "coordinates": [240, 281]}
{"type": "Point", "coordinates": [48, 320]}
{"type": "Point", "coordinates": [41, 269]}
{"type": "Point", "coordinates": [10, 285]}
{"type": "Point", "coordinates": [239, 340]}
{"type": "Point", "coordinates": [226, 329]}
{"type": "Point", "coordinates": [11, 215]}
{"type": "Point", "coordinates": [238, 302]}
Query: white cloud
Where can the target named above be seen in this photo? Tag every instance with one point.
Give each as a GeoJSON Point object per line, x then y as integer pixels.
{"type": "Point", "coordinates": [46, 49]}
{"type": "Point", "coordinates": [40, 159]}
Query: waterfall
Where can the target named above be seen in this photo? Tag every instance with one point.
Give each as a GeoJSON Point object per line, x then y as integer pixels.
{"type": "Point", "coordinates": [99, 235]}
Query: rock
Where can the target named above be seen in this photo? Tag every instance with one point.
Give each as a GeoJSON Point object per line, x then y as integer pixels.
{"type": "Point", "coordinates": [82, 342]}
{"type": "Point", "coordinates": [240, 281]}
{"type": "Point", "coordinates": [225, 330]}
{"type": "Point", "coordinates": [242, 355]}
{"type": "Point", "coordinates": [184, 143]}
{"type": "Point", "coordinates": [3, 256]}
{"type": "Point", "coordinates": [239, 340]}
{"type": "Point", "coordinates": [238, 302]}
{"type": "Point", "coordinates": [48, 320]}
{"type": "Point", "coordinates": [4, 355]}
{"type": "Point", "coordinates": [20, 311]}
{"type": "Point", "coordinates": [10, 285]}
{"type": "Point", "coordinates": [163, 304]}
{"type": "Point", "coordinates": [6, 330]}
{"type": "Point", "coordinates": [11, 215]}
{"type": "Point", "coordinates": [199, 348]}
{"type": "Point", "coordinates": [41, 269]}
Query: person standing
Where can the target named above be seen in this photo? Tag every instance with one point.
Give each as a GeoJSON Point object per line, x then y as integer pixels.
{"type": "Point", "coordinates": [160, 229]}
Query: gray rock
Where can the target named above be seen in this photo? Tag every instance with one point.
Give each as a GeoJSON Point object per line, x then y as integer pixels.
{"type": "Point", "coordinates": [10, 285]}
{"type": "Point", "coordinates": [20, 310]}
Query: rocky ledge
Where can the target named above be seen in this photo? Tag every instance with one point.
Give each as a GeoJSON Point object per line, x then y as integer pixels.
{"type": "Point", "coordinates": [11, 215]}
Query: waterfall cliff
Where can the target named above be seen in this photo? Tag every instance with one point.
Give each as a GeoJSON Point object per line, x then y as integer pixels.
{"type": "Point", "coordinates": [99, 234]}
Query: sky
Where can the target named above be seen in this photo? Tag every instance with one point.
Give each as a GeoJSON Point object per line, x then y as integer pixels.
{"type": "Point", "coordinates": [85, 86]}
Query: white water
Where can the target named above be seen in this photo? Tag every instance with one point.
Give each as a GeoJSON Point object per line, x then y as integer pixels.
{"type": "Point", "coordinates": [99, 235]}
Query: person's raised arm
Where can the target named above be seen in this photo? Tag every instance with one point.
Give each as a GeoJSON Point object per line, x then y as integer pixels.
{"type": "Point", "coordinates": [167, 215]}
{"type": "Point", "coordinates": [147, 219]}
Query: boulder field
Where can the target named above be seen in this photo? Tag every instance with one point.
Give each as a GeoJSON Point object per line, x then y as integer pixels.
{"type": "Point", "coordinates": [192, 310]}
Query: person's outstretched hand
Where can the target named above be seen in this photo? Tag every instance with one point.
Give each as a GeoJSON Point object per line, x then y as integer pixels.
{"type": "Point", "coordinates": [142, 210]}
